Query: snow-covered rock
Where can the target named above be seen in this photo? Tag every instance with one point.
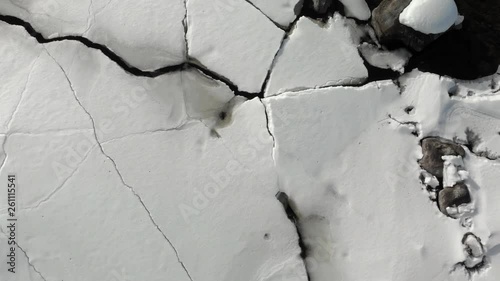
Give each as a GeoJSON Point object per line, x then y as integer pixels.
{"type": "Point", "coordinates": [237, 42]}
{"type": "Point", "coordinates": [430, 16]}
{"type": "Point", "coordinates": [386, 23]}
{"type": "Point", "coordinates": [357, 9]}
{"type": "Point", "coordinates": [317, 56]}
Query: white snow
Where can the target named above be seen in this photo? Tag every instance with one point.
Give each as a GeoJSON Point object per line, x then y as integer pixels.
{"type": "Point", "coordinates": [430, 16]}
{"type": "Point", "coordinates": [353, 175]}
{"type": "Point", "coordinates": [123, 177]}
{"type": "Point", "coordinates": [146, 34]}
{"type": "Point", "coordinates": [453, 171]}
{"type": "Point", "coordinates": [316, 56]}
{"type": "Point", "coordinates": [238, 42]}
{"type": "Point", "coordinates": [281, 12]}
{"type": "Point", "coordinates": [395, 60]}
{"type": "Point", "coordinates": [357, 9]}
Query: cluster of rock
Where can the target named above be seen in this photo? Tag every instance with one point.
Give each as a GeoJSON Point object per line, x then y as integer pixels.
{"type": "Point", "coordinates": [445, 176]}
{"type": "Point", "coordinates": [467, 48]}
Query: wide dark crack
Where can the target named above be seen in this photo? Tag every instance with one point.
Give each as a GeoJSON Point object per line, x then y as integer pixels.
{"type": "Point", "coordinates": [292, 216]}
{"type": "Point", "coordinates": [190, 63]}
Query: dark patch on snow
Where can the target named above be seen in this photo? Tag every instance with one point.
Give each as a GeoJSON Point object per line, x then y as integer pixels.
{"type": "Point", "coordinates": [321, 9]}
{"type": "Point", "coordinates": [409, 109]}
{"type": "Point", "coordinates": [292, 216]}
{"type": "Point", "coordinates": [472, 141]}
{"type": "Point", "coordinates": [378, 74]}
{"type": "Point", "coordinates": [458, 54]}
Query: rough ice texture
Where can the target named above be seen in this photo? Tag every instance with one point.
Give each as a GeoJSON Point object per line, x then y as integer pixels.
{"type": "Point", "coordinates": [236, 41]}
{"type": "Point", "coordinates": [147, 34]}
{"type": "Point", "coordinates": [316, 56]}
{"type": "Point", "coordinates": [430, 16]}
{"type": "Point", "coordinates": [357, 9]}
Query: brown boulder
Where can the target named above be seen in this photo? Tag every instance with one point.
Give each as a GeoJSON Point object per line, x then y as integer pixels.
{"type": "Point", "coordinates": [453, 197]}
{"type": "Point", "coordinates": [385, 22]}
{"type": "Point", "coordinates": [433, 149]}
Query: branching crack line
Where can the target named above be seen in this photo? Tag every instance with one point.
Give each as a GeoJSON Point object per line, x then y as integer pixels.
{"type": "Point", "coordinates": [118, 171]}
{"type": "Point", "coordinates": [189, 64]}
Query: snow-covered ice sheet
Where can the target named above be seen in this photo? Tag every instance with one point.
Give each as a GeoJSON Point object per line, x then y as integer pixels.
{"type": "Point", "coordinates": [235, 40]}
{"type": "Point", "coordinates": [430, 16]}
{"type": "Point", "coordinates": [353, 175]}
{"type": "Point", "coordinates": [127, 177]}
{"type": "Point", "coordinates": [146, 34]}
{"type": "Point", "coordinates": [132, 178]}
{"type": "Point", "coordinates": [316, 56]}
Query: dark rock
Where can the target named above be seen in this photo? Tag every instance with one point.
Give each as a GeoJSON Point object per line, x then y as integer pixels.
{"type": "Point", "coordinates": [372, 4]}
{"type": "Point", "coordinates": [453, 197]}
{"type": "Point", "coordinates": [433, 149]}
{"type": "Point", "coordinates": [470, 52]}
{"type": "Point", "coordinates": [385, 21]}
{"type": "Point", "coordinates": [483, 19]}
{"type": "Point", "coordinates": [321, 6]}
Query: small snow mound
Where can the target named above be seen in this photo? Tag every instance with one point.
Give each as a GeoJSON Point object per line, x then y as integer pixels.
{"type": "Point", "coordinates": [357, 9]}
{"type": "Point", "coordinates": [430, 16]}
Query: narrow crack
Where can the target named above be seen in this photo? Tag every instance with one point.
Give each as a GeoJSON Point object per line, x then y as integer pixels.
{"type": "Point", "coordinates": [23, 92]}
{"type": "Point", "coordinates": [285, 38]}
{"type": "Point", "coordinates": [63, 184]}
{"type": "Point", "coordinates": [270, 19]}
{"type": "Point", "coordinates": [285, 201]}
{"type": "Point", "coordinates": [29, 262]}
{"type": "Point", "coordinates": [268, 120]}
{"type": "Point", "coordinates": [118, 171]}
{"type": "Point", "coordinates": [4, 152]}
{"type": "Point", "coordinates": [185, 24]}
{"type": "Point", "coordinates": [26, 255]}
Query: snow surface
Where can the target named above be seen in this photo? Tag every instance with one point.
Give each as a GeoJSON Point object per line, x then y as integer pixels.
{"type": "Point", "coordinates": [124, 177]}
{"type": "Point", "coordinates": [162, 190]}
{"type": "Point", "coordinates": [239, 42]}
{"type": "Point", "coordinates": [146, 34]}
{"type": "Point", "coordinates": [317, 56]}
{"type": "Point", "coordinates": [430, 16]}
{"type": "Point", "coordinates": [282, 12]}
